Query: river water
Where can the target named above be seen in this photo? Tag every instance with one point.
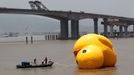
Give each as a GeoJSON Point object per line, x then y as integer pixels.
{"type": "Point", "coordinates": [61, 53]}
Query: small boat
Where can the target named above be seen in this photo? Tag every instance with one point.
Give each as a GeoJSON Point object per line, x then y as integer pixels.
{"type": "Point", "coordinates": [28, 65]}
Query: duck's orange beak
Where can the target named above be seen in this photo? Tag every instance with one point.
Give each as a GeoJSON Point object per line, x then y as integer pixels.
{"type": "Point", "coordinates": [75, 53]}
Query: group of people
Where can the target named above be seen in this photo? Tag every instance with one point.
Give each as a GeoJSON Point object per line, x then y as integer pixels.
{"type": "Point", "coordinates": [45, 61]}
{"type": "Point", "coordinates": [27, 39]}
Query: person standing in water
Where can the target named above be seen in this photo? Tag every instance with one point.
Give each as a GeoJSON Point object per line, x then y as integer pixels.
{"type": "Point", "coordinates": [26, 40]}
{"type": "Point", "coordinates": [31, 39]}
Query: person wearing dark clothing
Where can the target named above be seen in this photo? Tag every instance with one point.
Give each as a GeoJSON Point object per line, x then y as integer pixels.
{"type": "Point", "coordinates": [45, 60]}
{"type": "Point", "coordinates": [31, 39]}
{"type": "Point", "coordinates": [35, 61]}
{"type": "Point", "coordinates": [26, 40]}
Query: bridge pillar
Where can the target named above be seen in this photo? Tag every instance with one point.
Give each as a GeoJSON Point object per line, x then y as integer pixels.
{"type": "Point", "coordinates": [111, 30]}
{"type": "Point", "coordinates": [74, 29]}
{"type": "Point", "coordinates": [121, 30]}
{"type": "Point", "coordinates": [133, 27]}
{"type": "Point", "coordinates": [63, 29]}
{"type": "Point", "coordinates": [126, 31]}
{"type": "Point", "coordinates": [105, 27]}
{"type": "Point", "coordinates": [95, 25]}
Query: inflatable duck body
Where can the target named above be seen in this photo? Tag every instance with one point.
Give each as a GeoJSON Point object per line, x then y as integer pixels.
{"type": "Point", "coordinates": [94, 51]}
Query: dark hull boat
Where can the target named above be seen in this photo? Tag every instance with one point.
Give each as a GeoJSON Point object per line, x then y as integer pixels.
{"type": "Point", "coordinates": [27, 65]}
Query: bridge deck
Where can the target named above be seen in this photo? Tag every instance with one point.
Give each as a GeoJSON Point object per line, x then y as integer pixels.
{"type": "Point", "coordinates": [61, 14]}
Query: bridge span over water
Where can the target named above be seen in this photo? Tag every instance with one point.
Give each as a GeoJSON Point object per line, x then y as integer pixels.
{"type": "Point", "coordinates": [74, 17]}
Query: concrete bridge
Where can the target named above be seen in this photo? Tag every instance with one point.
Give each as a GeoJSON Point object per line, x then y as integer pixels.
{"type": "Point", "coordinates": [74, 17]}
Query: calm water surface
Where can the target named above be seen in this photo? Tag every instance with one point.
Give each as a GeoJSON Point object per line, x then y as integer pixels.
{"type": "Point", "coordinates": [62, 54]}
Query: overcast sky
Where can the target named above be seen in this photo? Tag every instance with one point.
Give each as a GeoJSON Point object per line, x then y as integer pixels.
{"type": "Point", "coordinates": [110, 7]}
{"type": "Point", "coordinates": [113, 7]}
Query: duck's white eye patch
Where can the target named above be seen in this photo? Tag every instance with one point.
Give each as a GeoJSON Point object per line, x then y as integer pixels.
{"type": "Point", "coordinates": [85, 51]}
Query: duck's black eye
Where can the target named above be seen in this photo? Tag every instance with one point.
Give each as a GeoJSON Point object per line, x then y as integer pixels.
{"type": "Point", "coordinates": [84, 51]}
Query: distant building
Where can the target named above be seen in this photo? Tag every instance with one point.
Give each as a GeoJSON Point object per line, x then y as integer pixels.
{"type": "Point", "coordinates": [10, 34]}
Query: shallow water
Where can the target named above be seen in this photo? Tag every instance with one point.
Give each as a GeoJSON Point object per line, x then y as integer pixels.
{"type": "Point", "coordinates": [61, 53]}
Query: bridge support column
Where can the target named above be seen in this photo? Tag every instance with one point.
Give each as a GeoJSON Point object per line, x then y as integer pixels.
{"type": "Point", "coordinates": [74, 29]}
{"type": "Point", "coordinates": [111, 30]}
{"type": "Point", "coordinates": [126, 31]}
{"type": "Point", "coordinates": [133, 28]}
{"type": "Point", "coordinates": [63, 29]}
{"type": "Point", "coordinates": [121, 31]}
{"type": "Point", "coordinates": [95, 25]}
{"type": "Point", "coordinates": [105, 27]}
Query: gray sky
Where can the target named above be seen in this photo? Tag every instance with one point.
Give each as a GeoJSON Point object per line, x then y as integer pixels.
{"type": "Point", "coordinates": [112, 7]}
{"type": "Point", "coordinates": [19, 22]}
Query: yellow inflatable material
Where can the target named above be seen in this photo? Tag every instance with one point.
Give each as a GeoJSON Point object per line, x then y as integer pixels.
{"type": "Point", "coordinates": [94, 51]}
{"type": "Point", "coordinates": [90, 57]}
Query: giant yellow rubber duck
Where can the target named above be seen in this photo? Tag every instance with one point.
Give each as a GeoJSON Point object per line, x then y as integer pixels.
{"type": "Point", "coordinates": [93, 51]}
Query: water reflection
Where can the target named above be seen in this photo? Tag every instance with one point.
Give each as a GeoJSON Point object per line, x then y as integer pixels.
{"type": "Point", "coordinates": [104, 71]}
{"type": "Point", "coordinates": [34, 71]}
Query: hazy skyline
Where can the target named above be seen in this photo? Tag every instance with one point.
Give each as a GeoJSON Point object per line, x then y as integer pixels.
{"type": "Point", "coordinates": [19, 22]}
